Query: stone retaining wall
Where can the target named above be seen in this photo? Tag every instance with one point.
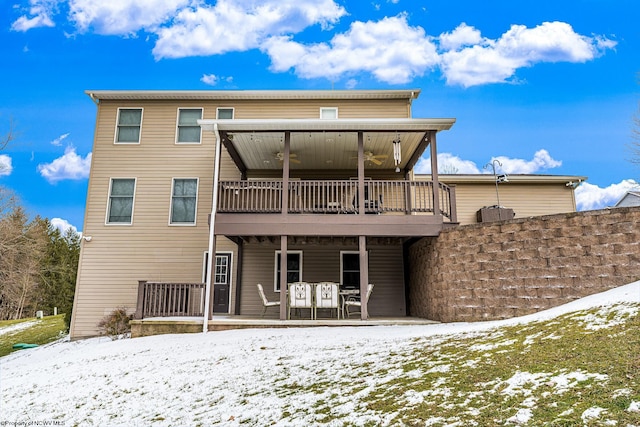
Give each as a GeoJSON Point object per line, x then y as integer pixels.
{"type": "Point", "coordinates": [511, 268]}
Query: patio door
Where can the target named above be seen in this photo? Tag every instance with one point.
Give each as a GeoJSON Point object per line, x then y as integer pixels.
{"type": "Point", "coordinates": [221, 279]}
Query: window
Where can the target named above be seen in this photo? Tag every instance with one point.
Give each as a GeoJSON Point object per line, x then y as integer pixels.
{"type": "Point", "coordinates": [349, 269]}
{"type": "Point", "coordinates": [328, 113]}
{"type": "Point", "coordinates": [294, 268]}
{"type": "Point", "coordinates": [188, 128]}
{"type": "Point", "coordinates": [224, 113]}
{"type": "Point", "coordinates": [129, 123]}
{"type": "Point", "coordinates": [184, 195]}
{"type": "Point", "coordinates": [120, 209]}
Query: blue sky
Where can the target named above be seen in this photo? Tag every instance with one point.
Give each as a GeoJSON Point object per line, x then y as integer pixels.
{"type": "Point", "coordinates": [547, 87]}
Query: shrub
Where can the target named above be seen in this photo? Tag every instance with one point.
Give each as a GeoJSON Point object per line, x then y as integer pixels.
{"type": "Point", "coordinates": [116, 324]}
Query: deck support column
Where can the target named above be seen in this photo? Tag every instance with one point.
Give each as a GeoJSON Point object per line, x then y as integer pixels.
{"type": "Point", "coordinates": [434, 173]}
{"type": "Point", "coordinates": [364, 276]}
{"type": "Point", "coordinates": [360, 193]}
{"type": "Point", "coordinates": [283, 277]}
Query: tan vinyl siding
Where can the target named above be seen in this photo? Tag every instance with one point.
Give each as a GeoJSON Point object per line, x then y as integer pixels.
{"type": "Point", "coordinates": [118, 256]}
{"type": "Point", "coordinates": [525, 199]}
{"type": "Point", "coordinates": [310, 109]}
{"type": "Point", "coordinates": [322, 263]}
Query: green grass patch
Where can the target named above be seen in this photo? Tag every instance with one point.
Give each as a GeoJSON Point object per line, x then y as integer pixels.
{"type": "Point", "coordinates": [38, 331]}
{"type": "Point", "coordinates": [547, 373]}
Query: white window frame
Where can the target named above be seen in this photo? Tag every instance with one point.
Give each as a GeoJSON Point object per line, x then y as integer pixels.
{"type": "Point", "coordinates": [233, 112]}
{"type": "Point", "coordinates": [133, 202]}
{"type": "Point", "coordinates": [195, 216]}
{"type": "Point", "coordinates": [342, 264]}
{"type": "Point", "coordinates": [323, 109]}
{"type": "Point", "coordinates": [178, 142]}
{"type": "Point", "coordinates": [276, 265]}
{"type": "Point", "coordinates": [115, 136]}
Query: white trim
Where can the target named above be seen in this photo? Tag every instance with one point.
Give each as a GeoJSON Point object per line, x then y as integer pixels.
{"type": "Point", "coordinates": [204, 268]}
{"type": "Point", "coordinates": [233, 112]}
{"type": "Point", "coordinates": [178, 125]}
{"type": "Point", "coordinates": [319, 125]}
{"type": "Point", "coordinates": [115, 134]}
{"type": "Point", "coordinates": [323, 109]}
{"type": "Point", "coordinates": [195, 214]}
{"type": "Point", "coordinates": [276, 265]}
{"type": "Point", "coordinates": [133, 202]}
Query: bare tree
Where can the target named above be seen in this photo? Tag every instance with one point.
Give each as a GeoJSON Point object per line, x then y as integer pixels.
{"type": "Point", "coordinates": [8, 137]}
{"type": "Point", "coordinates": [635, 135]}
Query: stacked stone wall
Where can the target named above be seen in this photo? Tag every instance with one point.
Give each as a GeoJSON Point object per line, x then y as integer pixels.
{"type": "Point", "coordinates": [511, 268]}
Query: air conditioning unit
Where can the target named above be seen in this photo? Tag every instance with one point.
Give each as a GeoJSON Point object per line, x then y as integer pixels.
{"type": "Point", "coordinates": [494, 213]}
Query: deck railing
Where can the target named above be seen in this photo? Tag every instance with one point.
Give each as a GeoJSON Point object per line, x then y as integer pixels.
{"type": "Point", "coordinates": [334, 196]}
{"type": "Point", "coordinates": [169, 299]}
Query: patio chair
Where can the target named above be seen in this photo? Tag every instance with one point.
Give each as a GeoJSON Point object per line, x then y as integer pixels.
{"type": "Point", "coordinates": [327, 297]}
{"type": "Point", "coordinates": [300, 296]}
{"type": "Point", "coordinates": [265, 302]}
{"type": "Point", "coordinates": [354, 301]}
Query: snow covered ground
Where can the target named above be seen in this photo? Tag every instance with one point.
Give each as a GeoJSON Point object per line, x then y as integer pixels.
{"type": "Point", "coordinates": [230, 377]}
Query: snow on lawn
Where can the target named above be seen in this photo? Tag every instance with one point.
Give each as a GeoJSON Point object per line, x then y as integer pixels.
{"type": "Point", "coordinates": [249, 376]}
{"type": "Point", "coordinates": [17, 327]}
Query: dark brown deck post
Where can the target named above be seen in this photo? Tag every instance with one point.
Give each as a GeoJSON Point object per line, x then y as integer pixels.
{"type": "Point", "coordinates": [361, 209]}
{"type": "Point", "coordinates": [283, 277]}
{"type": "Point", "coordinates": [434, 173]}
{"type": "Point", "coordinates": [453, 214]}
{"type": "Point", "coordinates": [140, 301]}
{"type": "Point", "coordinates": [364, 276]}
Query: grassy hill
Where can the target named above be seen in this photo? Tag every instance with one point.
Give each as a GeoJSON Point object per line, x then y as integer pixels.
{"type": "Point", "coordinates": [30, 331]}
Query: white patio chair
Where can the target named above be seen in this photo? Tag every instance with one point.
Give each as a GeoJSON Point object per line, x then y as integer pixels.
{"type": "Point", "coordinates": [265, 302]}
{"type": "Point", "coordinates": [300, 296]}
{"type": "Point", "coordinates": [327, 297]}
{"type": "Point", "coordinates": [355, 301]}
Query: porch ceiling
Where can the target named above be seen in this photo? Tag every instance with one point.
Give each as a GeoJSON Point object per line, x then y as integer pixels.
{"type": "Point", "coordinates": [325, 144]}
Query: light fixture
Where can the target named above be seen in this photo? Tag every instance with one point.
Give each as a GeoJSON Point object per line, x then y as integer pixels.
{"type": "Point", "coordinates": [87, 238]}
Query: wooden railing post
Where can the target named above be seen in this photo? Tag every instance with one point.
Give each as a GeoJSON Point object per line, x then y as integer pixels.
{"type": "Point", "coordinates": [140, 301]}
{"type": "Point", "coordinates": [453, 214]}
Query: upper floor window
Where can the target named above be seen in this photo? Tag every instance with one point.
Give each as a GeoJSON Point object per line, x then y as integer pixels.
{"type": "Point", "coordinates": [120, 209]}
{"type": "Point", "coordinates": [328, 113]}
{"type": "Point", "coordinates": [184, 197]}
{"type": "Point", "coordinates": [188, 129]}
{"type": "Point", "coordinates": [224, 113]}
{"type": "Point", "coordinates": [128, 127]}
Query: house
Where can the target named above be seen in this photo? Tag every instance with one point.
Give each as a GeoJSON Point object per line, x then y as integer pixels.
{"type": "Point", "coordinates": [308, 185]}
{"type": "Point", "coordinates": [630, 198]}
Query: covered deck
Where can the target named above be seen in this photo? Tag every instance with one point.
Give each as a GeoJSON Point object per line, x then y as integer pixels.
{"type": "Point", "coordinates": [306, 179]}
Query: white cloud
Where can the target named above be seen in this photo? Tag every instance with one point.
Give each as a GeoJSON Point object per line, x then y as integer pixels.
{"type": "Point", "coordinates": [448, 164]}
{"type": "Point", "coordinates": [589, 196]}
{"type": "Point", "coordinates": [69, 166]}
{"type": "Point", "coordinates": [122, 17]}
{"type": "Point", "coordinates": [390, 49]}
{"type": "Point", "coordinates": [210, 79]}
{"type": "Point", "coordinates": [205, 30]}
{"type": "Point", "coordinates": [463, 35]}
{"type": "Point", "coordinates": [41, 14]}
{"type": "Point", "coordinates": [496, 61]}
{"type": "Point", "coordinates": [58, 141]}
{"type": "Point", "coordinates": [5, 165]}
{"type": "Point", "coordinates": [63, 225]}
{"type": "Point", "coordinates": [541, 161]}
{"type": "Point", "coordinates": [452, 164]}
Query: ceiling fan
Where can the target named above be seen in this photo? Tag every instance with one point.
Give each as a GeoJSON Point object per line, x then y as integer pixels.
{"type": "Point", "coordinates": [292, 157]}
{"type": "Point", "coordinates": [373, 158]}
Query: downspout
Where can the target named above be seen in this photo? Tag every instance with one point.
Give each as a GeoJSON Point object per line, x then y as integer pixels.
{"type": "Point", "coordinates": [212, 226]}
